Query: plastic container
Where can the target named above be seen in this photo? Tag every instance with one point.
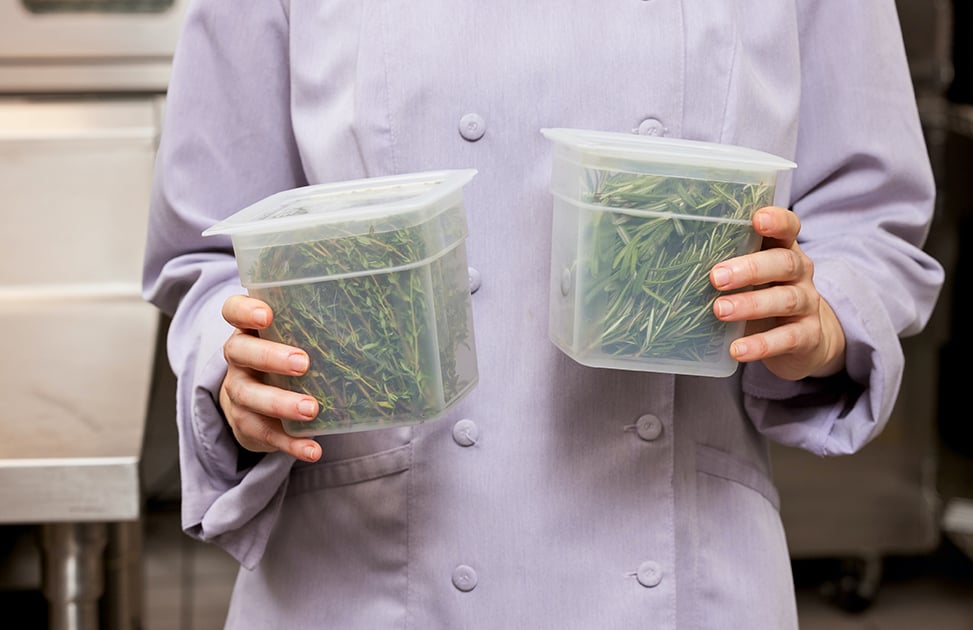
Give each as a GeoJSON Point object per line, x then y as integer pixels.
{"type": "Point", "coordinates": [370, 278]}
{"type": "Point", "coordinates": [639, 222]}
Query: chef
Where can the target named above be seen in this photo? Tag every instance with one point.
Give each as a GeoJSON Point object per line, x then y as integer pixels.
{"type": "Point", "coordinates": [554, 496]}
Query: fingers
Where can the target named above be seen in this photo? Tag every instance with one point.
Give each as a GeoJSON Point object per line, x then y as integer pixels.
{"type": "Point", "coordinates": [782, 300]}
{"type": "Point", "coordinates": [778, 224]}
{"type": "Point", "coordinates": [253, 409]}
{"type": "Point", "coordinates": [245, 391]}
{"type": "Point", "coordinates": [266, 356]}
{"type": "Point", "coordinates": [789, 326]}
{"type": "Point", "coordinates": [262, 434]}
{"type": "Point", "coordinates": [788, 339]}
{"type": "Point", "coordinates": [246, 313]}
{"type": "Point", "coordinates": [770, 265]}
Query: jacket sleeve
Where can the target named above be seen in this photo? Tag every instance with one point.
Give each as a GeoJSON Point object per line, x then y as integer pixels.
{"type": "Point", "coordinates": [226, 142]}
{"type": "Point", "coordinates": [864, 192]}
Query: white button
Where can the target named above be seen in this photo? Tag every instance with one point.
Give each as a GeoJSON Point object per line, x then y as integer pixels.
{"type": "Point", "coordinates": [474, 277]}
{"type": "Point", "coordinates": [649, 427]}
{"type": "Point", "coordinates": [472, 127]}
{"type": "Point", "coordinates": [465, 432]}
{"type": "Point", "coordinates": [649, 574]}
{"type": "Point", "coordinates": [464, 578]}
{"type": "Point", "coordinates": [651, 127]}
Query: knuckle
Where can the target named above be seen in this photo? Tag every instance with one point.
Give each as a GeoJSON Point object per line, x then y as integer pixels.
{"type": "Point", "coordinates": [793, 299]}
{"type": "Point", "coordinates": [808, 264]}
{"type": "Point", "coordinates": [231, 347]}
{"type": "Point", "coordinates": [750, 302]}
{"type": "Point", "coordinates": [791, 340]}
{"type": "Point", "coordinates": [280, 407]}
{"type": "Point", "coordinates": [235, 393]}
{"type": "Point", "coordinates": [239, 393]}
{"type": "Point", "coordinates": [792, 263]}
{"type": "Point", "coordinates": [267, 435]}
{"type": "Point", "coordinates": [753, 266]}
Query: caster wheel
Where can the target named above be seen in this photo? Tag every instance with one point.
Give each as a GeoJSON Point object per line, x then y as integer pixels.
{"type": "Point", "coordinates": [856, 584]}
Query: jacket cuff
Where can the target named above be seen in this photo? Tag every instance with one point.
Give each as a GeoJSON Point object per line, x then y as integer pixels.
{"type": "Point", "coordinates": [230, 505]}
{"type": "Point", "coordinates": [840, 414]}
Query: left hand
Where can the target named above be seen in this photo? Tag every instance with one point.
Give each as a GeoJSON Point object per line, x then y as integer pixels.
{"type": "Point", "coordinates": [790, 327]}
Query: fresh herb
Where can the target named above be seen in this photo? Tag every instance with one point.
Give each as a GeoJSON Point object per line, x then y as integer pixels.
{"type": "Point", "coordinates": [647, 276]}
{"type": "Point", "coordinates": [383, 342]}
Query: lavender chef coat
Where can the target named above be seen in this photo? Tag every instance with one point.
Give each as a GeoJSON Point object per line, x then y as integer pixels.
{"type": "Point", "coordinates": [587, 499]}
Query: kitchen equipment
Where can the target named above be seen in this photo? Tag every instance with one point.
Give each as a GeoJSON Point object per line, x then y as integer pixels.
{"type": "Point", "coordinates": [82, 85]}
{"type": "Point", "coordinates": [87, 46]}
{"type": "Point", "coordinates": [75, 371]}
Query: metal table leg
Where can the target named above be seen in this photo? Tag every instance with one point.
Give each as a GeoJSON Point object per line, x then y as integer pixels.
{"type": "Point", "coordinates": [121, 605]}
{"type": "Point", "coordinates": [73, 573]}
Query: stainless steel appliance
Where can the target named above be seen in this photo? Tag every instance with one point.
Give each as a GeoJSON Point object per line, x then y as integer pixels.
{"type": "Point", "coordinates": [85, 46]}
{"type": "Point", "coordinates": [82, 87]}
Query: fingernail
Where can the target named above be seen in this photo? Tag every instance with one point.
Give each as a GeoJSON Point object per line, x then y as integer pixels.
{"type": "Point", "coordinates": [260, 317]}
{"type": "Point", "coordinates": [298, 362]}
{"type": "Point", "coordinates": [310, 453]}
{"type": "Point", "coordinates": [307, 408]}
{"type": "Point", "coordinates": [724, 307]}
{"type": "Point", "coordinates": [763, 222]}
{"type": "Point", "coordinates": [738, 348]}
{"type": "Point", "coordinates": [721, 276]}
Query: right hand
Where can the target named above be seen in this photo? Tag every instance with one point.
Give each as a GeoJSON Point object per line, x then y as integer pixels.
{"type": "Point", "coordinates": [252, 408]}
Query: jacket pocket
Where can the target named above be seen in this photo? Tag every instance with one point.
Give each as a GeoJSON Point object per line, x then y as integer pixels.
{"type": "Point", "coordinates": [340, 545]}
{"type": "Point", "coordinates": [717, 463]}
{"type": "Point", "coordinates": [350, 471]}
{"type": "Point", "coordinates": [740, 547]}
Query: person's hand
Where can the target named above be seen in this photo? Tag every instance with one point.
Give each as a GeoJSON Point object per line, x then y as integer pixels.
{"type": "Point", "coordinates": [791, 328]}
{"type": "Point", "coordinates": [252, 408]}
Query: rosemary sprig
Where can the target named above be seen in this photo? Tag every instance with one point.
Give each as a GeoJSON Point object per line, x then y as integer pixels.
{"type": "Point", "coordinates": [646, 278]}
{"type": "Point", "coordinates": [383, 346]}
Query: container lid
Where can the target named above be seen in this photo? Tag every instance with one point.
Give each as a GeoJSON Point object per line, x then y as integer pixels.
{"type": "Point", "coordinates": [339, 202]}
{"type": "Point", "coordinates": [638, 148]}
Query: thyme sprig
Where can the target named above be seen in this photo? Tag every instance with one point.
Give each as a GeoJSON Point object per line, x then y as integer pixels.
{"type": "Point", "coordinates": [383, 346]}
{"type": "Point", "coordinates": [647, 276]}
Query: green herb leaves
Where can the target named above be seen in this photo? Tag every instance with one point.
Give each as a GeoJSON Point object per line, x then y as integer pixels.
{"type": "Point", "coordinates": [646, 274]}
{"type": "Point", "coordinates": [384, 317]}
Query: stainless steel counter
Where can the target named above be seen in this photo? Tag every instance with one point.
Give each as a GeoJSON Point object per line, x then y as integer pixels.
{"type": "Point", "coordinates": [78, 345]}
{"type": "Point", "coordinates": [74, 383]}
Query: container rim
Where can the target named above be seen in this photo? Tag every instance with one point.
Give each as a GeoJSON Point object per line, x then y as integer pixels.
{"type": "Point", "coordinates": [655, 149]}
{"type": "Point", "coordinates": [258, 217]}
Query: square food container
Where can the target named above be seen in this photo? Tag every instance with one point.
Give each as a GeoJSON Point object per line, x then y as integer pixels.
{"type": "Point", "coordinates": [370, 278]}
{"type": "Point", "coordinates": [639, 222]}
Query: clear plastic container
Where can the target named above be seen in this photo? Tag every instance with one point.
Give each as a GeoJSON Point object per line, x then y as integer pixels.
{"type": "Point", "coordinates": [370, 278]}
{"type": "Point", "coordinates": [639, 222]}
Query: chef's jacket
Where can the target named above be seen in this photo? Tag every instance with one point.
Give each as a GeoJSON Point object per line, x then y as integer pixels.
{"type": "Point", "coordinates": [555, 496]}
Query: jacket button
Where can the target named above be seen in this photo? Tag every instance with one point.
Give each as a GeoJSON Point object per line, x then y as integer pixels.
{"type": "Point", "coordinates": [649, 574]}
{"type": "Point", "coordinates": [649, 427]}
{"type": "Point", "coordinates": [474, 277]}
{"type": "Point", "coordinates": [465, 432]}
{"type": "Point", "coordinates": [464, 578]}
{"type": "Point", "coordinates": [472, 127]}
{"type": "Point", "coordinates": [651, 127]}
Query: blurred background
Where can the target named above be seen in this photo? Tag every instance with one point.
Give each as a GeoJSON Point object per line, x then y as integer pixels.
{"type": "Point", "coordinates": [89, 479]}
